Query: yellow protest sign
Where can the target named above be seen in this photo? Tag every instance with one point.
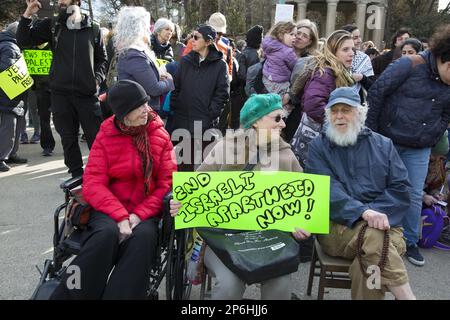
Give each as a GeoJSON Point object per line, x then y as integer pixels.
{"type": "Point", "coordinates": [38, 61]}
{"type": "Point", "coordinates": [161, 62]}
{"type": "Point", "coordinates": [252, 200]}
{"type": "Point", "coordinates": [16, 79]}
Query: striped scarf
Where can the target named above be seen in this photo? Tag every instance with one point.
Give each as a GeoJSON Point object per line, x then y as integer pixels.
{"type": "Point", "coordinates": [140, 141]}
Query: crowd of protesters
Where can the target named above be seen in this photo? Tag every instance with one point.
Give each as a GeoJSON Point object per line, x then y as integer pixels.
{"type": "Point", "coordinates": [202, 81]}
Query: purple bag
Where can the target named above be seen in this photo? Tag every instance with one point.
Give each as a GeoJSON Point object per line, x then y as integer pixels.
{"type": "Point", "coordinates": [432, 224]}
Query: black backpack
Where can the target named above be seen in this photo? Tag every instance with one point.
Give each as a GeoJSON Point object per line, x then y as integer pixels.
{"type": "Point", "coordinates": [254, 83]}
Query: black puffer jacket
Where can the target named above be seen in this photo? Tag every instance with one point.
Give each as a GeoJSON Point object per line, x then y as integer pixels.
{"type": "Point", "coordinates": [9, 54]}
{"type": "Point", "coordinates": [201, 90]}
{"type": "Point", "coordinates": [164, 52]}
{"type": "Point", "coordinates": [79, 59]}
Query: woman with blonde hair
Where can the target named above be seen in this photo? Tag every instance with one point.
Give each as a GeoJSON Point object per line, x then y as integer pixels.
{"type": "Point", "coordinates": [328, 70]}
{"type": "Point", "coordinates": [136, 61]}
{"type": "Point", "coordinates": [306, 39]}
{"type": "Point", "coordinates": [332, 71]}
{"type": "Point", "coordinates": [306, 46]}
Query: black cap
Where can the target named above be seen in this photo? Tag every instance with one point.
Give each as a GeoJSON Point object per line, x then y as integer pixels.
{"type": "Point", "coordinates": [207, 32]}
{"type": "Point", "coordinates": [125, 96]}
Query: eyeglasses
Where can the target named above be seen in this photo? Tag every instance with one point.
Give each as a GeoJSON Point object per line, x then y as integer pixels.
{"type": "Point", "coordinates": [303, 35]}
{"type": "Point", "coordinates": [196, 37]}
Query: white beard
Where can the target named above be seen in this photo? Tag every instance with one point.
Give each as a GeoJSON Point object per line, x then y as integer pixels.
{"type": "Point", "coordinates": [346, 139]}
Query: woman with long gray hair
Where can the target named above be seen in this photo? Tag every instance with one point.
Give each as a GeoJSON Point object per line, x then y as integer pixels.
{"type": "Point", "coordinates": [136, 60]}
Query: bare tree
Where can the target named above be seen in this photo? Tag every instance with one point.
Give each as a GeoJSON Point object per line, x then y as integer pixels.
{"type": "Point", "coordinates": [133, 2]}
{"type": "Point", "coordinates": [11, 10]}
{"type": "Point", "coordinates": [207, 7]}
{"type": "Point", "coordinates": [91, 12]}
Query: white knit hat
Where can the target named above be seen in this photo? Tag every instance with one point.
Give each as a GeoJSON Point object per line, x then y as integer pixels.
{"type": "Point", "coordinates": [218, 22]}
{"type": "Point", "coordinates": [12, 28]}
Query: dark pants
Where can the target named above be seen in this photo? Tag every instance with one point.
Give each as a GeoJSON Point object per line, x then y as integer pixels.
{"type": "Point", "coordinates": [68, 113]}
{"type": "Point", "coordinates": [238, 99]}
{"type": "Point", "coordinates": [101, 251]}
{"type": "Point", "coordinates": [10, 129]}
{"type": "Point", "coordinates": [43, 104]}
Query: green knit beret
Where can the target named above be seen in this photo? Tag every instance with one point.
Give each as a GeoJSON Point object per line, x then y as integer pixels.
{"type": "Point", "coordinates": [257, 106]}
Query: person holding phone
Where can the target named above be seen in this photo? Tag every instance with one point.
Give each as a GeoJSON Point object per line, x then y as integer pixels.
{"type": "Point", "coordinates": [77, 70]}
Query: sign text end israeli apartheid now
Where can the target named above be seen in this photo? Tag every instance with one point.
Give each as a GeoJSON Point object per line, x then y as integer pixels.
{"type": "Point", "coordinates": [253, 200]}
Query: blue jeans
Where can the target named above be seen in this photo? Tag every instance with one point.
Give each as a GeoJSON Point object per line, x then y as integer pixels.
{"type": "Point", "coordinates": [416, 162]}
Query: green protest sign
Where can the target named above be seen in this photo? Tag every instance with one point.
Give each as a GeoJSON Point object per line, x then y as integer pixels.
{"type": "Point", "coordinates": [15, 80]}
{"type": "Point", "coordinates": [38, 61]}
{"type": "Point", "coordinates": [252, 200]}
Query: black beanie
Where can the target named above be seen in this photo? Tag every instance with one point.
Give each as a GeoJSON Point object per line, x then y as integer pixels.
{"type": "Point", "coordinates": [254, 36]}
{"type": "Point", "coordinates": [125, 96]}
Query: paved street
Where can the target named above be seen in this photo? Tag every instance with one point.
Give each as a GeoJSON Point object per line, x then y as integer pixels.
{"type": "Point", "coordinates": [30, 193]}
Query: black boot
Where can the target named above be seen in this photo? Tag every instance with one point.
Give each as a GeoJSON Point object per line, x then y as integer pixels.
{"type": "Point", "coordinates": [16, 159]}
{"type": "Point", "coordinates": [3, 166]}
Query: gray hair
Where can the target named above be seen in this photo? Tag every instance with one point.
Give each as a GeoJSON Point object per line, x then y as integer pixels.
{"type": "Point", "coordinates": [350, 137]}
{"type": "Point", "coordinates": [133, 26]}
{"type": "Point", "coordinates": [161, 24]}
{"type": "Point", "coordinates": [362, 115]}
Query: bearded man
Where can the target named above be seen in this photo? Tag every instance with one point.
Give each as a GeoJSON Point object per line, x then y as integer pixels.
{"type": "Point", "coordinates": [78, 67]}
{"type": "Point", "coordinates": [369, 186]}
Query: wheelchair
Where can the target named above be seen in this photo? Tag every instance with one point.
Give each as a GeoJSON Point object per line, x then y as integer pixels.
{"type": "Point", "coordinates": [170, 258]}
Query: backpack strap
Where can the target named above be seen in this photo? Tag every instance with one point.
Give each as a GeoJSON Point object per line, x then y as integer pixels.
{"type": "Point", "coordinates": [252, 164]}
{"type": "Point", "coordinates": [56, 32]}
{"type": "Point", "coordinates": [95, 31]}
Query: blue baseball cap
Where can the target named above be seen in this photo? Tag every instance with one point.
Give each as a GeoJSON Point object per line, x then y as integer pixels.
{"type": "Point", "coordinates": [345, 95]}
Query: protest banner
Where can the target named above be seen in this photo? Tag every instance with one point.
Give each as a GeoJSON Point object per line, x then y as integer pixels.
{"type": "Point", "coordinates": [252, 200]}
{"type": "Point", "coordinates": [284, 12]}
{"type": "Point", "coordinates": [16, 79]}
{"type": "Point", "coordinates": [38, 61]}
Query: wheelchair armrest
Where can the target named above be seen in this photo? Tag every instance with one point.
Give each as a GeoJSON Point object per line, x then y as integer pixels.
{"type": "Point", "coordinates": [71, 183]}
{"type": "Point", "coordinates": [167, 198]}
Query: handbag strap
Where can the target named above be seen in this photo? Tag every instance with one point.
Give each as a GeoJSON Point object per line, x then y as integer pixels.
{"type": "Point", "coordinates": [384, 251]}
{"type": "Point", "coordinates": [252, 164]}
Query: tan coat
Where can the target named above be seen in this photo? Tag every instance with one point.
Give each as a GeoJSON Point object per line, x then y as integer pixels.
{"type": "Point", "coordinates": [232, 153]}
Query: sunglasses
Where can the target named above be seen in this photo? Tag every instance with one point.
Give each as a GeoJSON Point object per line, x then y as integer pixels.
{"type": "Point", "coordinates": [197, 37]}
{"type": "Point", "coordinates": [278, 118]}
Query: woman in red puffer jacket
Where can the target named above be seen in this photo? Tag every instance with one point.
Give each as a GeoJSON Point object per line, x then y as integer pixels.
{"type": "Point", "coordinates": [128, 173]}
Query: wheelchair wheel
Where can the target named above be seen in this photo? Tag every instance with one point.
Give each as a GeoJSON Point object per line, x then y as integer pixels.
{"type": "Point", "coordinates": [178, 286]}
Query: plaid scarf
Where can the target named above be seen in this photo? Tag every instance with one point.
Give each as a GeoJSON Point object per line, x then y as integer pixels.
{"type": "Point", "coordinates": [140, 141]}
